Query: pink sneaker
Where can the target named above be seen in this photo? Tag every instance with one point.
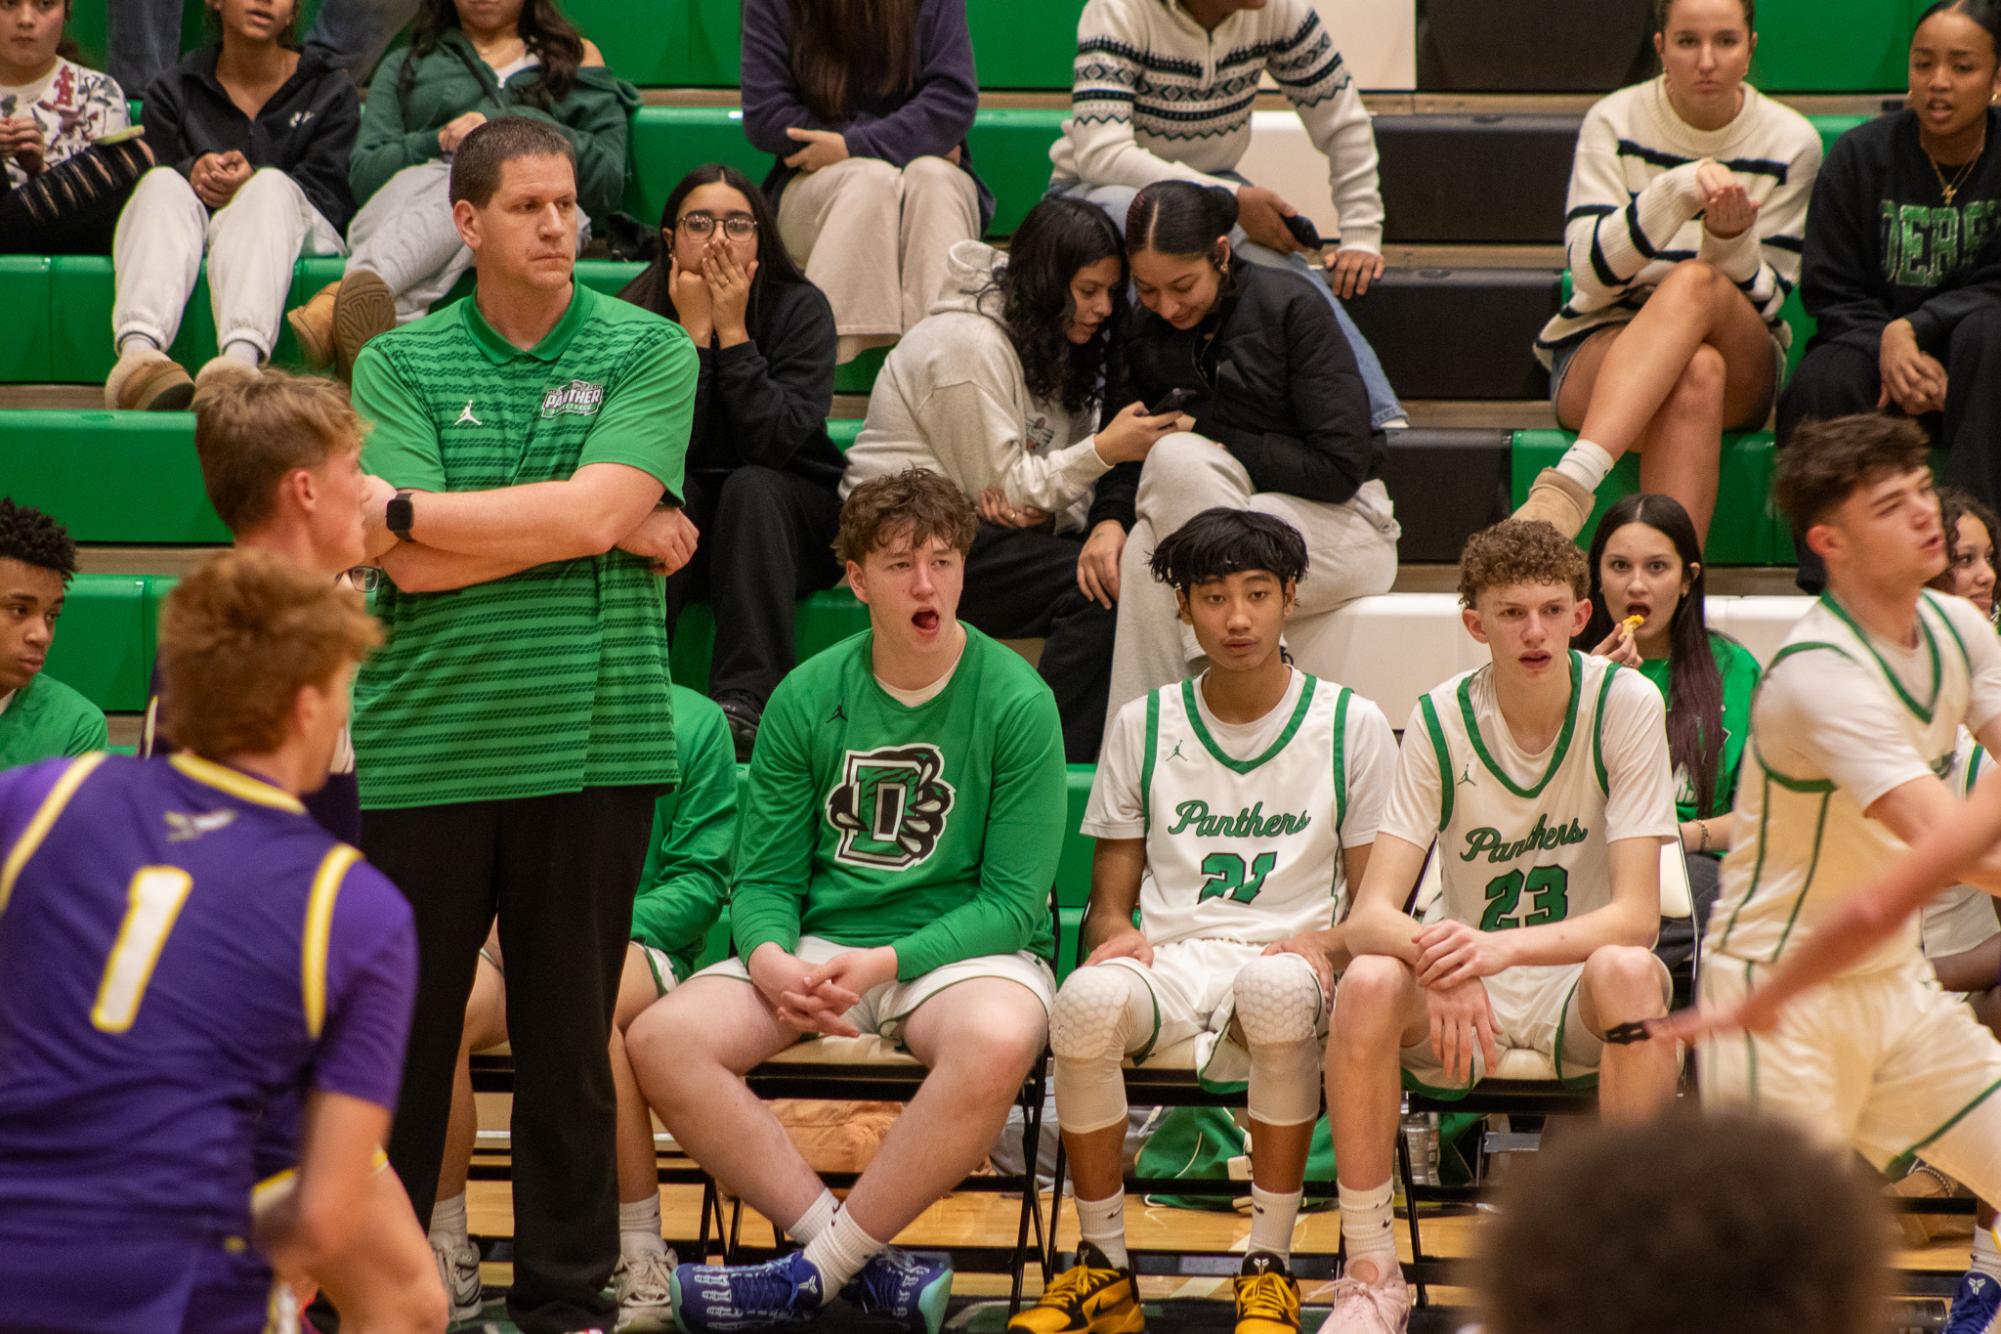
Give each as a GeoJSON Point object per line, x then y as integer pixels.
{"type": "Point", "coordinates": [1369, 1308]}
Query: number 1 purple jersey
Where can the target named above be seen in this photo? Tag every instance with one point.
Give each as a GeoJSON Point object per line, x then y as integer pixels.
{"type": "Point", "coordinates": [179, 945]}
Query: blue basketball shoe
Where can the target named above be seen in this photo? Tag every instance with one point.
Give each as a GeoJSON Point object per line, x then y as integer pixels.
{"type": "Point", "coordinates": [785, 1291]}
{"type": "Point", "coordinates": [1975, 1305]}
{"type": "Point", "coordinates": [905, 1286]}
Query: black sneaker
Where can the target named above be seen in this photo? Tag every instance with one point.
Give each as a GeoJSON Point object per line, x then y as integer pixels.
{"type": "Point", "coordinates": [743, 716]}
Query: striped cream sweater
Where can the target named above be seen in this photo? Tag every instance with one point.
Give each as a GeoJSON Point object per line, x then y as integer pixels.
{"type": "Point", "coordinates": [1155, 96]}
{"type": "Point", "coordinates": [1635, 207]}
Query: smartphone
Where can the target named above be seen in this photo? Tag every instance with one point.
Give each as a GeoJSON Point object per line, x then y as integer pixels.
{"type": "Point", "coordinates": [1304, 232]}
{"type": "Point", "coordinates": [1176, 399]}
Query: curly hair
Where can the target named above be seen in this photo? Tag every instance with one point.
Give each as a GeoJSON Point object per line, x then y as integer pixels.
{"type": "Point", "coordinates": [1521, 551]}
{"type": "Point", "coordinates": [916, 505]}
{"type": "Point", "coordinates": [551, 38]}
{"type": "Point", "coordinates": [1056, 239]}
{"type": "Point", "coordinates": [1954, 505]}
{"type": "Point", "coordinates": [33, 538]}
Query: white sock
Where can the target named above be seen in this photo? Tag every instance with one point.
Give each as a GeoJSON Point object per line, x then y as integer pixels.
{"type": "Point", "coordinates": [818, 1216]}
{"type": "Point", "coordinates": [840, 1252]}
{"type": "Point", "coordinates": [1272, 1216]}
{"type": "Point", "coordinates": [1104, 1225]}
{"type": "Point", "coordinates": [1368, 1226]}
{"type": "Point", "coordinates": [238, 349]}
{"type": "Point", "coordinates": [448, 1220]}
{"type": "Point", "coordinates": [639, 1228]}
{"type": "Point", "coordinates": [131, 340]}
{"type": "Point", "coordinates": [1586, 464]}
{"type": "Point", "coordinates": [1986, 1253]}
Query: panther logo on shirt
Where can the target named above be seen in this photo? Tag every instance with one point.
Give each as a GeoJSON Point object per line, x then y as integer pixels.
{"type": "Point", "coordinates": [578, 398]}
{"type": "Point", "coordinates": [890, 806]}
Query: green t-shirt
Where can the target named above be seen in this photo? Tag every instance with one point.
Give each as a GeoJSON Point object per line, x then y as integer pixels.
{"type": "Point", "coordinates": [693, 851]}
{"type": "Point", "coordinates": [1739, 671]}
{"type": "Point", "coordinates": [44, 719]}
{"type": "Point", "coordinates": [935, 829]}
{"type": "Point", "coordinates": [554, 679]}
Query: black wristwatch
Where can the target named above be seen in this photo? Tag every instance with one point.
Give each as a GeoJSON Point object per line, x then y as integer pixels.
{"type": "Point", "coordinates": [399, 515]}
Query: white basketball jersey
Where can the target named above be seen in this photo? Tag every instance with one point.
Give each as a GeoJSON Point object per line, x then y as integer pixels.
{"type": "Point", "coordinates": [1250, 849]}
{"type": "Point", "coordinates": [1803, 844]}
{"type": "Point", "coordinates": [1520, 849]}
{"type": "Point", "coordinates": [1961, 917]}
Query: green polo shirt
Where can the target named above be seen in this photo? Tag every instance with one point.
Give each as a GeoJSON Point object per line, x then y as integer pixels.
{"type": "Point", "coordinates": [554, 679]}
{"type": "Point", "coordinates": [44, 719]}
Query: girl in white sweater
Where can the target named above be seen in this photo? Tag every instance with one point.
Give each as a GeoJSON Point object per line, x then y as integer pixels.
{"type": "Point", "coordinates": [1686, 221]}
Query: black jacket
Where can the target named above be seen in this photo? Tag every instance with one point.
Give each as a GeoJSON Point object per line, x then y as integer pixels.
{"type": "Point", "coordinates": [764, 401]}
{"type": "Point", "coordinates": [1272, 379]}
{"type": "Point", "coordinates": [1882, 245]}
{"type": "Point", "coordinates": [305, 130]}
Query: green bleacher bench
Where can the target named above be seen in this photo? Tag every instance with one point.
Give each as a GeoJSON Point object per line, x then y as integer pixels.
{"type": "Point", "coordinates": [104, 640]}
{"type": "Point", "coordinates": [111, 477]}
{"type": "Point", "coordinates": [1746, 530]}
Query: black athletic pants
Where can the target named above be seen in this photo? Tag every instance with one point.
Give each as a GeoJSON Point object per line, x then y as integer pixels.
{"type": "Point", "coordinates": [560, 872]}
{"type": "Point", "coordinates": [1837, 379]}
{"type": "Point", "coordinates": [1022, 583]}
{"type": "Point", "coordinates": [766, 541]}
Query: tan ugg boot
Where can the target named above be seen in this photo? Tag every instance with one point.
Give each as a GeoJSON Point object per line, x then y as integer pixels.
{"type": "Point", "coordinates": [363, 308]}
{"type": "Point", "coordinates": [1559, 502]}
{"type": "Point", "coordinates": [312, 325]}
{"type": "Point", "coordinates": [147, 380]}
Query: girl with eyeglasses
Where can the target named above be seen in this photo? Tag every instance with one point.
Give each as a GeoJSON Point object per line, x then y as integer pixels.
{"type": "Point", "coordinates": [761, 472]}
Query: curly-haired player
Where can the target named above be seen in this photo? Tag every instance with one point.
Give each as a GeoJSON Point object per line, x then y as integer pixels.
{"type": "Point", "coordinates": [899, 835]}
{"type": "Point", "coordinates": [40, 717]}
{"type": "Point", "coordinates": [1544, 779]}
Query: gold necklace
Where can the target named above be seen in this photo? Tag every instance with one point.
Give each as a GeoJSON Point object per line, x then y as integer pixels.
{"type": "Point", "coordinates": [1952, 188]}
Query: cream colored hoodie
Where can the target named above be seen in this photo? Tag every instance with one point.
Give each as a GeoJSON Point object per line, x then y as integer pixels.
{"type": "Point", "coordinates": [951, 398]}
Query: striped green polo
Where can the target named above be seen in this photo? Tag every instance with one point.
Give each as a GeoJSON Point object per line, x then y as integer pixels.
{"type": "Point", "coordinates": [554, 679]}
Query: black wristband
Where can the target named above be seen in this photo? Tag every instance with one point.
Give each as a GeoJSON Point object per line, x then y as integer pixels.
{"type": "Point", "coordinates": [400, 515]}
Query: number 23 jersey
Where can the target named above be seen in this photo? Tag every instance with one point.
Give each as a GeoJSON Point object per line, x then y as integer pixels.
{"type": "Point", "coordinates": [1244, 825]}
{"type": "Point", "coordinates": [1523, 839]}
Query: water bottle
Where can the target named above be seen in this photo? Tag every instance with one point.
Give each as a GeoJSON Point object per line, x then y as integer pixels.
{"type": "Point", "coordinates": [1420, 1142]}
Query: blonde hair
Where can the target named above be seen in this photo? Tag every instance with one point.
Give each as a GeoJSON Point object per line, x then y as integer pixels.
{"type": "Point", "coordinates": [241, 637]}
{"type": "Point", "coordinates": [252, 431]}
{"type": "Point", "coordinates": [1520, 551]}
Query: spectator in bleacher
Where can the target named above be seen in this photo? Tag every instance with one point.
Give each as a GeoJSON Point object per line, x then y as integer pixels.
{"type": "Point", "coordinates": [252, 137]}
{"type": "Point", "coordinates": [763, 476]}
{"type": "Point", "coordinates": [1903, 259]}
{"type": "Point", "coordinates": [468, 62]}
{"type": "Point", "coordinates": [514, 735]}
{"type": "Point", "coordinates": [69, 152]}
{"type": "Point", "coordinates": [1729, 1226]}
{"type": "Point", "coordinates": [689, 861]}
{"type": "Point", "coordinates": [1971, 530]}
{"type": "Point", "coordinates": [1280, 423]}
{"type": "Point", "coordinates": [1645, 561]}
{"type": "Point", "coordinates": [866, 104]}
{"type": "Point", "coordinates": [40, 717]}
{"type": "Point", "coordinates": [1163, 90]}
{"type": "Point", "coordinates": [1687, 204]}
{"type": "Point", "coordinates": [145, 35]}
{"type": "Point", "coordinates": [1000, 389]}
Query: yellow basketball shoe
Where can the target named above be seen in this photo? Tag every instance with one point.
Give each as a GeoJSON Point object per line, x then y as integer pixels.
{"type": "Point", "coordinates": [1267, 1296]}
{"type": "Point", "coordinates": [1091, 1297]}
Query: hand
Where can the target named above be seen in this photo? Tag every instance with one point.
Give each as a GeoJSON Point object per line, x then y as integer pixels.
{"type": "Point", "coordinates": [1752, 1014]}
{"type": "Point", "coordinates": [667, 537]}
{"type": "Point", "coordinates": [226, 175]}
{"type": "Point", "coordinates": [1913, 381]}
{"type": "Point", "coordinates": [1131, 435]}
{"type": "Point", "coordinates": [1619, 647]}
{"type": "Point", "coordinates": [457, 128]}
{"type": "Point", "coordinates": [840, 983]}
{"type": "Point", "coordinates": [692, 302]}
{"type": "Point", "coordinates": [21, 140]}
{"type": "Point", "coordinates": [823, 148]}
{"type": "Point", "coordinates": [780, 977]}
{"type": "Point", "coordinates": [206, 178]}
{"type": "Point", "coordinates": [1727, 211]}
{"type": "Point", "coordinates": [1462, 1019]}
{"type": "Point", "coordinates": [1454, 953]}
{"type": "Point", "coordinates": [729, 293]}
{"type": "Point", "coordinates": [1262, 214]}
{"type": "Point", "coordinates": [1350, 271]}
{"type": "Point", "coordinates": [996, 508]}
{"type": "Point", "coordinates": [1129, 943]}
{"type": "Point", "coordinates": [1098, 563]}
{"type": "Point", "coordinates": [1309, 948]}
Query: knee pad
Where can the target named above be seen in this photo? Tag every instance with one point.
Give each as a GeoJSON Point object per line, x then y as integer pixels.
{"type": "Point", "coordinates": [1278, 1000]}
{"type": "Point", "coordinates": [1099, 1012]}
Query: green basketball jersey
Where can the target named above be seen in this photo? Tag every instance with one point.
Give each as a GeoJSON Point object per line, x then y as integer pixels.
{"type": "Point", "coordinates": [935, 829]}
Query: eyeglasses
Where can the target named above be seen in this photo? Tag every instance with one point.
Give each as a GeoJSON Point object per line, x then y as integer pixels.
{"type": "Point", "coordinates": [737, 226]}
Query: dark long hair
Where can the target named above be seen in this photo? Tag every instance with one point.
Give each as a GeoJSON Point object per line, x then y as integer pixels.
{"type": "Point", "coordinates": [1986, 13]}
{"type": "Point", "coordinates": [1662, 8]}
{"type": "Point", "coordinates": [1954, 505]}
{"type": "Point", "coordinates": [654, 289]}
{"type": "Point", "coordinates": [1057, 238]}
{"type": "Point", "coordinates": [844, 50]}
{"type": "Point", "coordinates": [1695, 687]}
{"type": "Point", "coordinates": [553, 39]}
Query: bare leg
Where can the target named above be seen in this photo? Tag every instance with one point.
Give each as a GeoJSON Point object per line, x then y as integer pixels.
{"type": "Point", "coordinates": [386, 1281]}
{"type": "Point", "coordinates": [485, 1026]}
{"type": "Point", "coordinates": [1096, 1159]}
{"type": "Point", "coordinates": [1623, 984]}
{"type": "Point", "coordinates": [638, 1166]}
{"type": "Point", "coordinates": [689, 1052]}
{"type": "Point", "coordinates": [1380, 1010]}
{"type": "Point", "coordinates": [1278, 1155]}
{"type": "Point", "coordinates": [979, 1038]}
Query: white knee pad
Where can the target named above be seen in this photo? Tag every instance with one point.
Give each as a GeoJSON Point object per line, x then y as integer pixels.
{"type": "Point", "coordinates": [1278, 1006]}
{"type": "Point", "coordinates": [1100, 1013]}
